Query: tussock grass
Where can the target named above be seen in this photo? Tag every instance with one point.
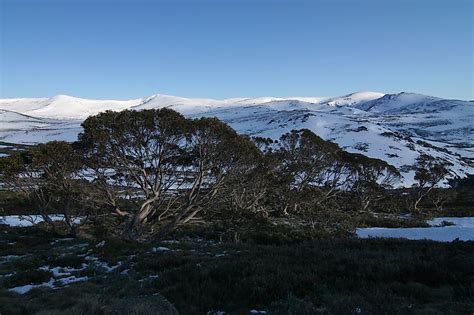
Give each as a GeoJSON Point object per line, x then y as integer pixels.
{"type": "Point", "coordinates": [279, 271]}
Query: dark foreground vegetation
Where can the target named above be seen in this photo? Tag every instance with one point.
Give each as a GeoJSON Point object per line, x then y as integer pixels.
{"type": "Point", "coordinates": [196, 275]}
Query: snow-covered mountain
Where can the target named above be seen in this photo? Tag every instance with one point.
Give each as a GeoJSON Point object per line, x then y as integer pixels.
{"type": "Point", "coordinates": [393, 127]}
{"type": "Point", "coordinates": [353, 99]}
{"type": "Point", "coordinates": [63, 106]}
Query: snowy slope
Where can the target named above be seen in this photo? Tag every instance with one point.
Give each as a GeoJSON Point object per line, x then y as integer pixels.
{"type": "Point", "coordinates": [395, 103]}
{"type": "Point", "coordinates": [428, 117]}
{"type": "Point", "coordinates": [12, 121]}
{"type": "Point", "coordinates": [24, 129]}
{"type": "Point", "coordinates": [353, 99]}
{"type": "Point", "coordinates": [63, 106]}
{"type": "Point", "coordinates": [393, 127]}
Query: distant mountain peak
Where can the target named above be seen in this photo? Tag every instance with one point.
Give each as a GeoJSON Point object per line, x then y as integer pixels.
{"type": "Point", "coordinates": [353, 99]}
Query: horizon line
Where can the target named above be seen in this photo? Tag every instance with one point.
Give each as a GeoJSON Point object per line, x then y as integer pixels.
{"type": "Point", "coordinates": [227, 98]}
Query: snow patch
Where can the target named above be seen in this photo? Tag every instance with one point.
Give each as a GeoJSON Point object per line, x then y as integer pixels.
{"type": "Point", "coordinates": [30, 220]}
{"type": "Point", "coordinates": [160, 249]}
{"type": "Point", "coordinates": [463, 230]}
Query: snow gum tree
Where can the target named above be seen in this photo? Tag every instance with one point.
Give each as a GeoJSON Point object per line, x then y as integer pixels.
{"type": "Point", "coordinates": [169, 166]}
{"type": "Point", "coordinates": [311, 172]}
{"type": "Point", "coordinates": [48, 175]}
{"type": "Point", "coordinates": [369, 178]}
{"type": "Point", "coordinates": [429, 172]}
{"type": "Point", "coordinates": [308, 170]}
{"type": "Point", "coordinates": [248, 191]}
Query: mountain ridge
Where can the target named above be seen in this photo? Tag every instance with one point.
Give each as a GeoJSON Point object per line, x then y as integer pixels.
{"type": "Point", "coordinates": [394, 127]}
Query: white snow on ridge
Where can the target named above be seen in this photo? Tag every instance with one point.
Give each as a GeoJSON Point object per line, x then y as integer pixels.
{"type": "Point", "coordinates": [353, 99]}
{"type": "Point", "coordinates": [69, 107]}
{"type": "Point", "coordinates": [64, 106]}
{"type": "Point", "coordinates": [23, 104]}
{"type": "Point", "coordinates": [393, 127]}
{"type": "Point", "coordinates": [395, 102]}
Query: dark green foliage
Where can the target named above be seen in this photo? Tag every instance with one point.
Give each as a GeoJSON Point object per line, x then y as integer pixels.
{"type": "Point", "coordinates": [389, 220]}
{"type": "Point", "coordinates": [429, 172]}
{"type": "Point", "coordinates": [336, 276]}
{"type": "Point", "coordinates": [12, 202]}
{"type": "Point", "coordinates": [463, 183]}
{"type": "Point", "coordinates": [46, 176]}
{"type": "Point", "coordinates": [292, 306]}
{"type": "Point", "coordinates": [169, 166]}
{"type": "Point", "coordinates": [27, 277]}
{"type": "Point", "coordinates": [327, 276]}
{"type": "Point", "coordinates": [313, 178]}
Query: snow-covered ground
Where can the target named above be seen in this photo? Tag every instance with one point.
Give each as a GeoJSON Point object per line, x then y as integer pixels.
{"type": "Point", "coordinates": [53, 283]}
{"type": "Point", "coordinates": [29, 220]}
{"type": "Point", "coordinates": [462, 229]}
{"type": "Point", "coordinates": [61, 276]}
{"type": "Point", "coordinates": [393, 127]}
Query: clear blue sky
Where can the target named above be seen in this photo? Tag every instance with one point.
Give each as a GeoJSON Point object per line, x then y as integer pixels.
{"type": "Point", "coordinates": [128, 49]}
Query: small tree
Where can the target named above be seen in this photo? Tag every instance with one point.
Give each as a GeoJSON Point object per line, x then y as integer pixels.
{"type": "Point", "coordinates": [19, 175]}
{"type": "Point", "coordinates": [429, 172]}
{"type": "Point", "coordinates": [440, 196]}
{"type": "Point", "coordinates": [369, 178]}
{"type": "Point", "coordinates": [62, 169]}
{"type": "Point", "coordinates": [308, 171]}
{"type": "Point", "coordinates": [48, 176]}
{"type": "Point", "coordinates": [248, 191]}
